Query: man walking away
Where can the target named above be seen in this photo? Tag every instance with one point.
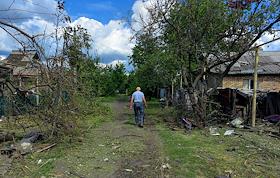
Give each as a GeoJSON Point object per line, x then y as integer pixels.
{"type": "Point", "coordinates": [138, 101]}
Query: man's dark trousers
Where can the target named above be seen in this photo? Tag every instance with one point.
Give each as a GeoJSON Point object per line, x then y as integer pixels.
{"type": "Point", "coordinates": [139, 113]}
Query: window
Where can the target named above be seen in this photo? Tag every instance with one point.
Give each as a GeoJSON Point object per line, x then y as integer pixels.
{"type": "Point", "coordinates": [249, 84]}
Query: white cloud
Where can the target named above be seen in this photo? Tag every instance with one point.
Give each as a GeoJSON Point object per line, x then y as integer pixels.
{"type": "Point", "coordinates": [22, 10]}
{"type": "Point", "coordinates": [140, 14]}
{"type": "Point", "coordinates": [5, 41]}
{"type": "Point", "coordinates": [274, 46]}
{"type": "Point", "coordinates": [112, 40]}
{"type": "Point", "coordinates": [115, 62]}
{"type": "Point", "coordinates": [143, 10]}
{"type": "Point", "coordinates": [32, 16]}
{"type": "Point", "coordinates": [2, 57]}
{"type": "Point", "coordinates": [35, 26]}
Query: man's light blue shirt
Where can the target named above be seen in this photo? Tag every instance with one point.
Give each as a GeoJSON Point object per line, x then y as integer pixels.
{"type": "Point", "coordinates": [138, 96]}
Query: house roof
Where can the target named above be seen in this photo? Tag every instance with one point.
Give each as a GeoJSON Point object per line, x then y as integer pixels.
{"type": "Point", "coordinates": [22, 62]}
{"type": "Point", "coordinates": [269, 64]}
{"type": "Point", "coordinates": [21, 58]}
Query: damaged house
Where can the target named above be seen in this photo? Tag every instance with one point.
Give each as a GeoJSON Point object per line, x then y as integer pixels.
{"type": "Point", "coordinates": [19, 75]}
{"type": "Point", "coordinates": [24, 66]}
{"type": "Point", "coordinates": [236, 89]}
{"type": "Point", "coordinates": [241, 74]}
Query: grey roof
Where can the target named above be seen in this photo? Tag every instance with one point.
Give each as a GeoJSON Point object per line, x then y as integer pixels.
{"type": "Point", "coordinates": [22, 62]}
{"type": "Point", "coordinates": [21, 58]}
{"type": "Point", "coordinates": [269, 64]}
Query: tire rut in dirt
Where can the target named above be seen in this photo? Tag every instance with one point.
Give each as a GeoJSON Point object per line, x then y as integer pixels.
{"type": "Point", "coordinates": [142, 164]}
{"type": "Point", "coordinates": [145, 164]}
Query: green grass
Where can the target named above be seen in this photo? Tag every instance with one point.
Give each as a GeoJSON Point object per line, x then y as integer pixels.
{"type": "Point", "coordinates": [68, 144]}
{"type": "Point", "coordinates": [195, 154]}
{"type": "Point", "coordinates": [84, 153]}
{"type": "Point", "coordinates": [199, 154]}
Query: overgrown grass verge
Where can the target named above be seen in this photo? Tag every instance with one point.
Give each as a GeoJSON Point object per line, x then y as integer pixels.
{"type": "Point", "coordinates": [43, 164]}
{"type": "Point", "coordinates": [199, 154]}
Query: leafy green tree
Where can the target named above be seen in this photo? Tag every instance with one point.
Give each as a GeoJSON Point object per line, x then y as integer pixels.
{"type": "Point", "coordinates": [119, 77]}
{"type": "Point", "coordinates": [154, 67]}
{"type": "Point", "coordinates": [197, 36]}
{"type": "Point", "coordinates": [98, 80]}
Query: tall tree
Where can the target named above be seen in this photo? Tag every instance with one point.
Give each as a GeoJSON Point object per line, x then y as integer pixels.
{"type": "Point", "coordinates": [201, 35]}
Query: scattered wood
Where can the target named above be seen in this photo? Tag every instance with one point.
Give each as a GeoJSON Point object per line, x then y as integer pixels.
{"type": "Point", "coordinates": [76, 174]}
{"type": "Point", "coordinates": [130, 135]}
{"type": "Point", "coordinates": [128, 170]}
{"type": "Point", "coordinates": [272, 133]}
{"type": "Point", "coordinates": [27, 168]}
{"type": "Point", "coordinates": [116, 147]}
{"type": "Point", "coordinates": [49, 160]}
{"type": "Point", "coordinates": [268, 166]}
{"type": "Point", "coordinates": [5, 136]}
{"type": "Point", "coordinates": [46, 148]}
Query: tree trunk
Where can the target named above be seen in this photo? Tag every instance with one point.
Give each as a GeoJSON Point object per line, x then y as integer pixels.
{"type": "Point", "coordinates": [199, 108]}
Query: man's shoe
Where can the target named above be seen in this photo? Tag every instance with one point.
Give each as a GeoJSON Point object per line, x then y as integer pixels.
{"type": "Point", "coordinates": [141, 126]}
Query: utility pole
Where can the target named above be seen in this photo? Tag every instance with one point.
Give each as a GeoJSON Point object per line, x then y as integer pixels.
{"type": "Point", "coordinates": [172, 90]}
{"type": "Point", "coordinates": [181, 80]}
{"type": "Point", "coordinates": [254, 105]}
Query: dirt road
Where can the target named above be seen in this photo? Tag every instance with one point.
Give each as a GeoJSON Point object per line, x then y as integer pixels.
{"type": "Point", "coordinates": [116, 149]}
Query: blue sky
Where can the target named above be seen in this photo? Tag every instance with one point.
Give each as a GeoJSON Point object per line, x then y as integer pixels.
{"type": "Point", "coordinates": [103, 11]}
{"type": "Point", "coordinates": [106, 22]}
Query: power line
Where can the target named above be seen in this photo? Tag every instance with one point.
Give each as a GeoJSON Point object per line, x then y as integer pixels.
{"type": "Point", "coordinates": [28, 11]}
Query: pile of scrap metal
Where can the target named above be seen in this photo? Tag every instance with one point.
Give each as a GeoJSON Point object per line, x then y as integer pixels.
{"type": "Point", "coordinates": [238, 103]}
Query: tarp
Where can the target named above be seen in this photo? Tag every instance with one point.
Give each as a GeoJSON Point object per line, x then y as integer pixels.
{"type": "Point", "coordinates": [273, 104]}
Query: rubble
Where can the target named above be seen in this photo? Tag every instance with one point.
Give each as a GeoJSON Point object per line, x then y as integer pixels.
{"type": "Point", "coordinates": [166, 166]}
{"type": "Point", "coordinates": [26, 148]}
{"type": "Point", "coordinates": [128, 170]}
{"type": "Point", "coordinates": [187, 124]}
{"type": "Point", "coordinates": [237, 123]}
{"type": "Point", "coordinates": [6, 136]}
{"type": "Point", "coordinates": [273, 118]}
{"type": "Point", "coordinates": [32, 137]}
{"type": "Point", "coordinates": [229, 132]}
{"type": "Point", "coordinates": [214, 131]}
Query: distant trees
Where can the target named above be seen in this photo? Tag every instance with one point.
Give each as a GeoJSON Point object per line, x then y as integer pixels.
{"type": "Point", "coordinates": [153, 65]}
{"type": "Point", "coordinates": [99, 80]}
{"type": "Point", "coordinates": [191, 38]}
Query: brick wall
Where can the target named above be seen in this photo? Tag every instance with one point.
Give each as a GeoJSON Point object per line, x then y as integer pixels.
{"type": "Point", "coordinates": [233, 82]}
{"type": "Point", "coordinates": [271, 83]}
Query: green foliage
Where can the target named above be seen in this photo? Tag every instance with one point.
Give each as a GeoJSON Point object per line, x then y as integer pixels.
{"type": "Point", "coordinates": [191, 38]}
{"type": "Point", "coordinates": [154, 65]}
{"type": "Point", "coordinates": [68, 145]}
{"type": "Point", "coordinates": [77, 43]}
{"type": "Point", "coordinates": [92, 78]}
{"type": "Point", "coordinates": [96, 80]}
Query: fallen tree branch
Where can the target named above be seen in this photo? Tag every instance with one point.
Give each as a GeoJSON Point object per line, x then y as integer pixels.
{"type": "Point", "coordinates": [46, 148]}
